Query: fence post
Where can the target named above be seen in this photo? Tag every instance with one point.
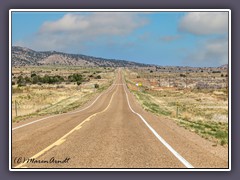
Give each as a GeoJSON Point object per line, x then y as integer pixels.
{"type": "Point", "coordinates": [177, 110]}
{"type": "Point", "coordinates": [16, 107]}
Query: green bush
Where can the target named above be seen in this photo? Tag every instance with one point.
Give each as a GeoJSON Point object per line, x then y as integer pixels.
{"type": "Point", "coordinates": [75, 78]}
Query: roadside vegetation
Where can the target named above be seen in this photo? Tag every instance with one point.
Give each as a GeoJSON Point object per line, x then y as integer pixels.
{"type": "Point", "coordinates": [40, 91]}
{"type": "Point", "coordinates": [203, 111]}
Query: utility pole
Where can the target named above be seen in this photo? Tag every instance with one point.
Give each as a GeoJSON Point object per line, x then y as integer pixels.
{"type": "Point", "coordinates": [227, 78]}
{"type": "Point", "coordinates": [177, 103]}
{"type": "Point", "coordinates": [186, 78]}
{"type": "Point", "coordinates": [159, 81]}
{"type": "Point", "coordinates": [168, 81]}
{"type": "Point", "coordinates": [177, 112]}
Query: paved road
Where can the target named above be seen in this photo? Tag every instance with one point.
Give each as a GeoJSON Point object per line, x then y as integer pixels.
{"type": "Point", "coordinates": [111, 131]}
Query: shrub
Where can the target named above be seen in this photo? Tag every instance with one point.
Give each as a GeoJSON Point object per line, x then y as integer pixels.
{"type": "Point", "coordinates": [96, 86]}
{"type": "Point", "coordinates": [33, 74]}
{"type": "Point", "coordinates": [20, 80]}
{"type": "Point", "coordinates": [27, 79]}
{"type": "Point", "coordinates": [182, 75]}
{"type": "Point", "coordinates": [79, 83]}
{"type": "Point", "coordinates": [98, 77]}
{"type": "Point", "coordinates": [21, 84]}
{"type": "Point", "coordinates": [216, 71]}
{"type": "Point", "coordinates": [75, 78]}
{"type": "Point", "coordinates": [60, 86]}
{"type": "Point", "coordinates": [223, 142]}
{"type": "Point", "coordinates": [35, 79]}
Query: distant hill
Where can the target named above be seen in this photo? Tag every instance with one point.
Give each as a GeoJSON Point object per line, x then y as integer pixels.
{"type": "Point", "coordinates": [224, 66]}
{"type": "Point", "coordinates": [27, 57]}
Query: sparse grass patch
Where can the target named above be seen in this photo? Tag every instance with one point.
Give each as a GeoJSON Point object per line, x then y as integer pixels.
{"type": "Point", "coordinates": [214, 131]}
{"type": "Point", "coordinates": [36, 100]}
{"type": "Point", "coordinates": [149, 105]}
{"type": "Point", "coordinates": [203, 111]}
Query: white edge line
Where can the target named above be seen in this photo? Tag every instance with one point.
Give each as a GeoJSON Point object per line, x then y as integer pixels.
{"type": "Point", "coordinates": [175, 153]}
{"type": "Point", "coordinates": [64, 113]}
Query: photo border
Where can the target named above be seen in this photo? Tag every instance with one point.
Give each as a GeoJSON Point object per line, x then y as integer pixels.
{"type": "Point", "coordinates": [120, 169]}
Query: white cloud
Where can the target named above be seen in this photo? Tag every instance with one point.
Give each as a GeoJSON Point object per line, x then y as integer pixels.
{"type": "Point", "coordinates": [108, 23]}
{"type": "Point", "coordinates": [203, 23]}
{"type": "Point", "coordinates": [77, 30]}
{"type": "Point", "coordinates": [210, 53]}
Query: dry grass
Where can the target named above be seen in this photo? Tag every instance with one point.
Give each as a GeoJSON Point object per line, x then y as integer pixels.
{"type": "Point", "coordinates": [202, 111]}
{"type": "Point", "coordinates": [45, 99]}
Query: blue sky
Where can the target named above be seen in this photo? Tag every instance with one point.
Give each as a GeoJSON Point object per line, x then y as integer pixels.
{"type": "Point", "coordinates": [162, 38]}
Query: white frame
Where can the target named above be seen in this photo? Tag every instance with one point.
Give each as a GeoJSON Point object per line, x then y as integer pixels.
{"type": "Point", "coordinates": [119, 10]}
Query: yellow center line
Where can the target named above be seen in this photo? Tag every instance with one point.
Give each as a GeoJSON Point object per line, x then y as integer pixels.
{"type": "Point", "coordinates": [63, 138]}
